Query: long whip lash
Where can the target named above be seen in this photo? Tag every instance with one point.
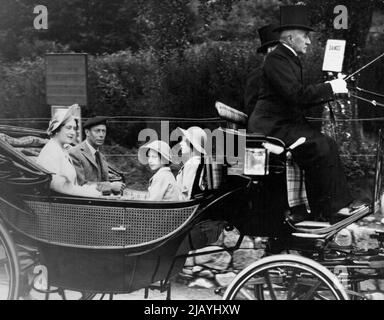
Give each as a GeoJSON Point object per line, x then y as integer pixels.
{"type": "Point", "coordinates": [363, 67]}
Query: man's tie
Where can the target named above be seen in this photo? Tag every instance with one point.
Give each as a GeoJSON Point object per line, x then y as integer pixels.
{"type": "Point", "coordinates": [98, 162]}
{"type": "Point", "coordinates": [297, 59]}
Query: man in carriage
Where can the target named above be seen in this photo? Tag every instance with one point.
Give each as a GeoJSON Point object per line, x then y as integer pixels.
{"type": "Point", "coordinates": [90, 164]}
{"type": "Point", "coordinates": [283, 99]}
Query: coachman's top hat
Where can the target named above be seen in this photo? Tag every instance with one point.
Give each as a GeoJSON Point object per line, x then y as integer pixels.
{"type": "Point", "coordinates": [268, 37]}
{"type": "Point", "coordinates": [294, 17]}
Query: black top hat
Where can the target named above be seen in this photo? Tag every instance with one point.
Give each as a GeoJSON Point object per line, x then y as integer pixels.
{"type": "Point", "coordinates": [268, 37]}
{"type": "Point", "coordinates": [91, 122]}
{"type": "Point", "coordinates": [293, 17]}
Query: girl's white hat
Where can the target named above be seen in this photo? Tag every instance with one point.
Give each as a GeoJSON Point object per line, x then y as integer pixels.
{"type": "Point", "coordinates": [159, 146]}
{"type": "Point", "coordinates": [196, 137]}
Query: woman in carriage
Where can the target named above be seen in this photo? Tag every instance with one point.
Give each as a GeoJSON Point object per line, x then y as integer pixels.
{"type": "Point", "coordinates": [55, 158]}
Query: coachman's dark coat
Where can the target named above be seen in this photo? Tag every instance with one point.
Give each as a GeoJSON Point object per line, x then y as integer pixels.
{"type": "Point", "coordinates": [279, 112]}
{"type": "Point", "coordinates": [251, 91]}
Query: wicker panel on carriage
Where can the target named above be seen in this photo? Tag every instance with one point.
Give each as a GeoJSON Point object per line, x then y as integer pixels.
{"type": "Point", "coordinates": [100, 224]}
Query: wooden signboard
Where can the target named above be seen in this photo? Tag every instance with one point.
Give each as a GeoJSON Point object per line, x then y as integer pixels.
{"type": "Point", "coordinates": [66, 79]}
{"type": "Point", "coordinates": [334, 55]}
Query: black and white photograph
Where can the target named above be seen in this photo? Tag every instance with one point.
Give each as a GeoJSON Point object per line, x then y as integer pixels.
{"type": "Point", "coordinates": [192, 150]}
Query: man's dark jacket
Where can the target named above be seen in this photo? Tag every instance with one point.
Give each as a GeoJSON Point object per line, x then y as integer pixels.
{"type": "Point", "coordinates": [252, 90]}
{"type": "Point", "coordinates": [279, 112]}
{"type": "Point", "coordinates": [283, 98]}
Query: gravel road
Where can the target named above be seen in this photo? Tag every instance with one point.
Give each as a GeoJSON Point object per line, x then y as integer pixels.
{"type": "Point", "coordinates": [179, 291]}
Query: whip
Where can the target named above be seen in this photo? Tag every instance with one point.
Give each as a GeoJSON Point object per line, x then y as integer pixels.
{"type": "Point", "coordinates": [363, 67]}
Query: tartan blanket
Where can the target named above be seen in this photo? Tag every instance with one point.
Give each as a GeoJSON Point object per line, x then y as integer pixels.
{"type": "Point", "coordinates": [297, 194]}
{"type": "Point", "coordinates": [212, 176]}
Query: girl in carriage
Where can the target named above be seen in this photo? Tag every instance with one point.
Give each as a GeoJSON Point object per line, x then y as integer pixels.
{"type": "Point", "coordinates": [192, 149]}
{"type": "Point", "coordinates": [162, 185]}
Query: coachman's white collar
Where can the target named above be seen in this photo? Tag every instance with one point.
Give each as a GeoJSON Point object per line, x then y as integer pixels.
{"type": "Point", "coordinates": [286, 45]}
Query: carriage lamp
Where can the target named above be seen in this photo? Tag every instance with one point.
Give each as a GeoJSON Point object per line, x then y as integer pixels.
{"type": "Point", "coordinates": [343, 238]}
{"type": "Point", "coordinates": [256, 161]}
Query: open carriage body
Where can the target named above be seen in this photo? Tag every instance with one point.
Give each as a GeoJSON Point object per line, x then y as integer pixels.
{"type": "Point", "coordinates": [113, 245]}
{"type": "Point", "coordinates": [95, 245]}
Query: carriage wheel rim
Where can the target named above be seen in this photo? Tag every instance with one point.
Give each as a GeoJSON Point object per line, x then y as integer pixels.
{"type": "Point", "coordinates": [12, 269]}
{"type": "Point", "coordinates": [316, 269]}
{"type": "Point", "coordinates": [322, 280]}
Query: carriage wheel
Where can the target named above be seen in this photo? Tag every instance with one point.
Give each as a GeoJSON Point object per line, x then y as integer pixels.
{"type": "Point", "coordinates": [9, 266]}
{"type": "Point", "coordinates": [285, 277]}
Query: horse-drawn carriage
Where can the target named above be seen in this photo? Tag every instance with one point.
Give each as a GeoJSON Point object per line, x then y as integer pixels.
{"type": "Point", "coordinates": [114, 245]}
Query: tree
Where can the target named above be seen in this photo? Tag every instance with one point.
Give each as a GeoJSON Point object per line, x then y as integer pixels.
{"type": "Point", "coordinates": [359, 23]}
{"type": "Point", "coordinates": [166, 24]}
{"type": "Point", "coordinates": [83, 26]}
{"type": "Point", "coordinates": [229, 20]}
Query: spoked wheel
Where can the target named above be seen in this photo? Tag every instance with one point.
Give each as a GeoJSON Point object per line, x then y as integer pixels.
{"type": "Point", "coordinates": [9, 266]}
{"type": "Point", "coordinates": [285, 277]}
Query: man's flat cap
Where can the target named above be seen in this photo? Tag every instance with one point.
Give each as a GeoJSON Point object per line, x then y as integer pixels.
{"type": "Point", "coordinates": [91, 122]}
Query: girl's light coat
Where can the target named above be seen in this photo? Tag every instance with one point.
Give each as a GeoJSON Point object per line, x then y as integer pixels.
{"type": "Point", "coordinates": [186, 176]}
{"type": "Point", "coordinates": [163, 186]}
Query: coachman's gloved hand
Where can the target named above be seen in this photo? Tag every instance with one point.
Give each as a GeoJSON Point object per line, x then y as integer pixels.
{"type": "Point", "coordinates": [339, 85]}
